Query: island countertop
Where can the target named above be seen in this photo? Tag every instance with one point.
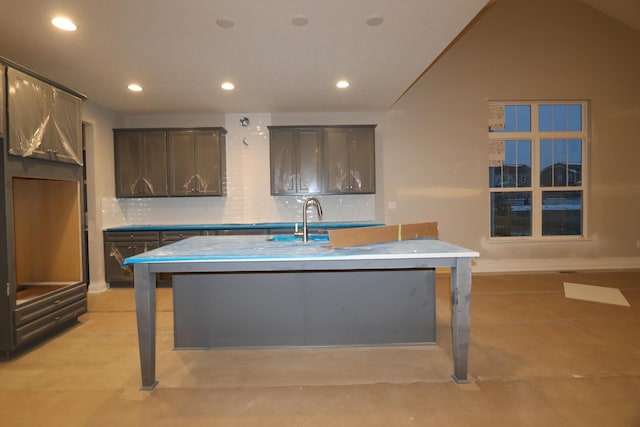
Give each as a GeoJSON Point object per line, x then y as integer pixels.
{"type": "Point", "coordinates": [262, 248]}
{"type": "Point", "coordinates": [249, 258]}
{"type": "Point", "coordinates": [328, 225]}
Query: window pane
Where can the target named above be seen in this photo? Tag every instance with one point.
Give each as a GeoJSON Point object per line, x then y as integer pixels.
{"type": "Point", "coordinates": [511, 214]}
{"type": "Point", "coordinates": [559, 118]}
{"type": "Point", "coordinates": [562, 213]}
{"type": "Point", "coordinates": [574, 163]}
{"type": "Point", "coordinates": [509, 169]}
{"type": "Point", "coordinates": [523, 118]}
{"type": "Point", "coordinates": [574, 117]}
{"type": "Point", "coordinates": [515, 170]}
{"type": "Point", "coordinates": [560, 162]}
{"type": "Point", "coordinates": [546, 162]}
{"type": "Point", "coordinates": [544, 116]}
{"type": "Point", "coordinates": [517, 118]}
{"type": "Point", "coordinates": [495, 176]}
{"type": "Point", "coordinates": [524, 164]}
{"type": "Point", "coordinates": [509, 118]}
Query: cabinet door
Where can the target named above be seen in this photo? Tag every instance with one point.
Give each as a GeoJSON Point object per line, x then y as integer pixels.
{"type": "Point", "coordinates": [209, 168]}
{"type": "Point", "coordinates": [361, 160]}
{"type": "Point", "coordinates": [336, 160]}
{"type": "Point", "coordinates": [182, 163]}
{"type": "Point", "coordinates": [154, 163]}
{"type": "Point", "coordinates": [117, 252]}
{"type": "Point", "coordinates": [45, 122]}
{"type": "Point", "coordinates": [128, 158]}
{"type": "Point", "coordinates": [29, 113]}
{"type": "Point", "coordinates": [349, 160]}
{"type": "Point", "coordinates": [283, 161]}
{"type": "Point", "coordinates": [64, 136]}
{"type": "Point", "coordinates": [195, 163]}
{"type": "Point", "coordinates": [141, 163]}
{"type": "Point", "coordinates": [309, 145]}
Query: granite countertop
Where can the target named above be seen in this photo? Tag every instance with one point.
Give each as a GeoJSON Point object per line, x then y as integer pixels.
{"type": "Point", "coordinates": [239, 226]}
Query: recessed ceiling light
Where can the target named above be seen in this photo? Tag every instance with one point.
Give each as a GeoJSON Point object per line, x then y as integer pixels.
{"type": "Point", "coordinates": [133, 87]}
{"type": "Point", "coordinates": [227, 86]}
{"type": "Point", "coordinates": [225, 22]}
{"type": "Point", "coordinates": [300, 21]}
{"type": "Point", "coordinates": [342, 84]}
{"type": "Point", "coordinates": [375, 20]}
{"type": "Point", "coordinates": [64, 23]}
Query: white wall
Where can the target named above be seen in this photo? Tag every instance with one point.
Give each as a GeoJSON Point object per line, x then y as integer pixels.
{"type": "Point", "coordinates": [99, 124]}
{"type": "Point", "coordinates": [436, 163]}
{"type": "Point", "coordinates": [431, 146]}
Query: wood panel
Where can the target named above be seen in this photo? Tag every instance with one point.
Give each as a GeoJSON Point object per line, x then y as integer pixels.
{"type": "Point", "coordinates": [47, 230]}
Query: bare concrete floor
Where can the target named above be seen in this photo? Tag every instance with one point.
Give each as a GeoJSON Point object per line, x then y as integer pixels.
{"type": "Point", "coordinates": [536, 359]}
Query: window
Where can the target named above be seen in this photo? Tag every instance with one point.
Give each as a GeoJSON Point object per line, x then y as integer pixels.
{"type": "Point", "coordinates": [537, 168]}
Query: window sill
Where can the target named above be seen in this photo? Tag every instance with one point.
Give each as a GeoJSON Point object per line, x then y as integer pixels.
{"type": "Point", "coordinates": [552, 239]}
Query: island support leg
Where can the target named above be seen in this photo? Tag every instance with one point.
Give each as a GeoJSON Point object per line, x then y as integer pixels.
{"type": "Point", "coordinates": [145, 291]}
{"type": "Point", "coordinates": [461, 306]}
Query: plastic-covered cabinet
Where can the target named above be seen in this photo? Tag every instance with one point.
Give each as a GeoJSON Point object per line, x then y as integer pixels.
{"type": "Point", "coordinates": [349, 159]}
{"type": "Point", "coordinates": [121, 245]}
{"type": "Point", "coordinates": [44, 121]}
{"type": "Point", "coordinates": [296, 160]}
{"type": "Point", "coordinates": [141, 163]}
{"type": "Point", "coordinates": [197, 162]}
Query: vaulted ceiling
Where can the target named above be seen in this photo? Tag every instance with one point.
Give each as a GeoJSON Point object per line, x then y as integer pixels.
{"type": "Point", "coordinates": [281, 55]}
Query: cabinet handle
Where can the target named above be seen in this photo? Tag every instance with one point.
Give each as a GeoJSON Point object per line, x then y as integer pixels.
{"type": "Point", "coordinates": [55, 319]}
{"type": "Point", "coordinates": [56, 302]}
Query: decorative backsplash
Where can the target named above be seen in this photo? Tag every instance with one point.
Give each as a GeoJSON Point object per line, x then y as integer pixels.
{"type": "Point", "coordinates": [248, 198]}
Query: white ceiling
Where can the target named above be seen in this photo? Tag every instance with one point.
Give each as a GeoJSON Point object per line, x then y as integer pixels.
{"type": "Point", "coordinates": [180, 56]}
{"type": "Point", "coordinates": [178, 53]}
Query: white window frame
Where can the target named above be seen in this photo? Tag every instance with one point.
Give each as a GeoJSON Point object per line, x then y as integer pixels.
{"type": "Point", "coordinates": [536, 190]}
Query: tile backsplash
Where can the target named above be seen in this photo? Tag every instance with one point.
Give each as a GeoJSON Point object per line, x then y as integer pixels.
{"type": "Point", "coordinates": [248, 198]}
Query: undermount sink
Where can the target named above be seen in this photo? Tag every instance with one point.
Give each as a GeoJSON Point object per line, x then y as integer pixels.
{"type": "Point", "coordinates": [293, 238]}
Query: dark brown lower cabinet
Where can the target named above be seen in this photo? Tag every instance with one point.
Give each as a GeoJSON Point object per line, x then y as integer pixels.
{"type": "Point", "coordinates": [119, 245]}
{"type": "Point", "coordinates": [44, 275]}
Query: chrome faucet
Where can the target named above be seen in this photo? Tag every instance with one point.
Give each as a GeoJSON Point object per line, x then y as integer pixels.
{"type": "Point", "coordinates": [310, 201]}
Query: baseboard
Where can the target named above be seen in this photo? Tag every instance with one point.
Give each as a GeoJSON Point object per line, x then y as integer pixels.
{"type": "Point", "coordinates": [554, 264]}
{"type": "Point", "coordinates": [97, 287]}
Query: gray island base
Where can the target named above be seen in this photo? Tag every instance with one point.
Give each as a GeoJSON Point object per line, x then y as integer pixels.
{"type": "Point", "coordinates": [247, 291]}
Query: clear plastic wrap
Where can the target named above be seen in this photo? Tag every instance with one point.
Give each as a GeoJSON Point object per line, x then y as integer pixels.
{"type": "Point", "coordinates": [44, 121]}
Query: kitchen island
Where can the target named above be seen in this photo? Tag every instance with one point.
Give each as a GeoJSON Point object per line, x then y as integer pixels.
{"type": "Point", "coordinates": [210, 259]}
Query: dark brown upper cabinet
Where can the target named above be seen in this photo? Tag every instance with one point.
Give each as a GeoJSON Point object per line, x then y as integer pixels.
{"type": "Point", "coordinates": [141, 163]}
{"type": "Point", "coordinates": [309, 160]}
{"type": "Point", "coordinates": [296, 160]}
{"type": "Point", "coordinates": [349, 160]}
{"type": "Point", "coordinates": [45, 122]}
{"type": "Point", "coordinates": [170, 162]}
{"type": "Point", "coordinates": [197, 165]}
